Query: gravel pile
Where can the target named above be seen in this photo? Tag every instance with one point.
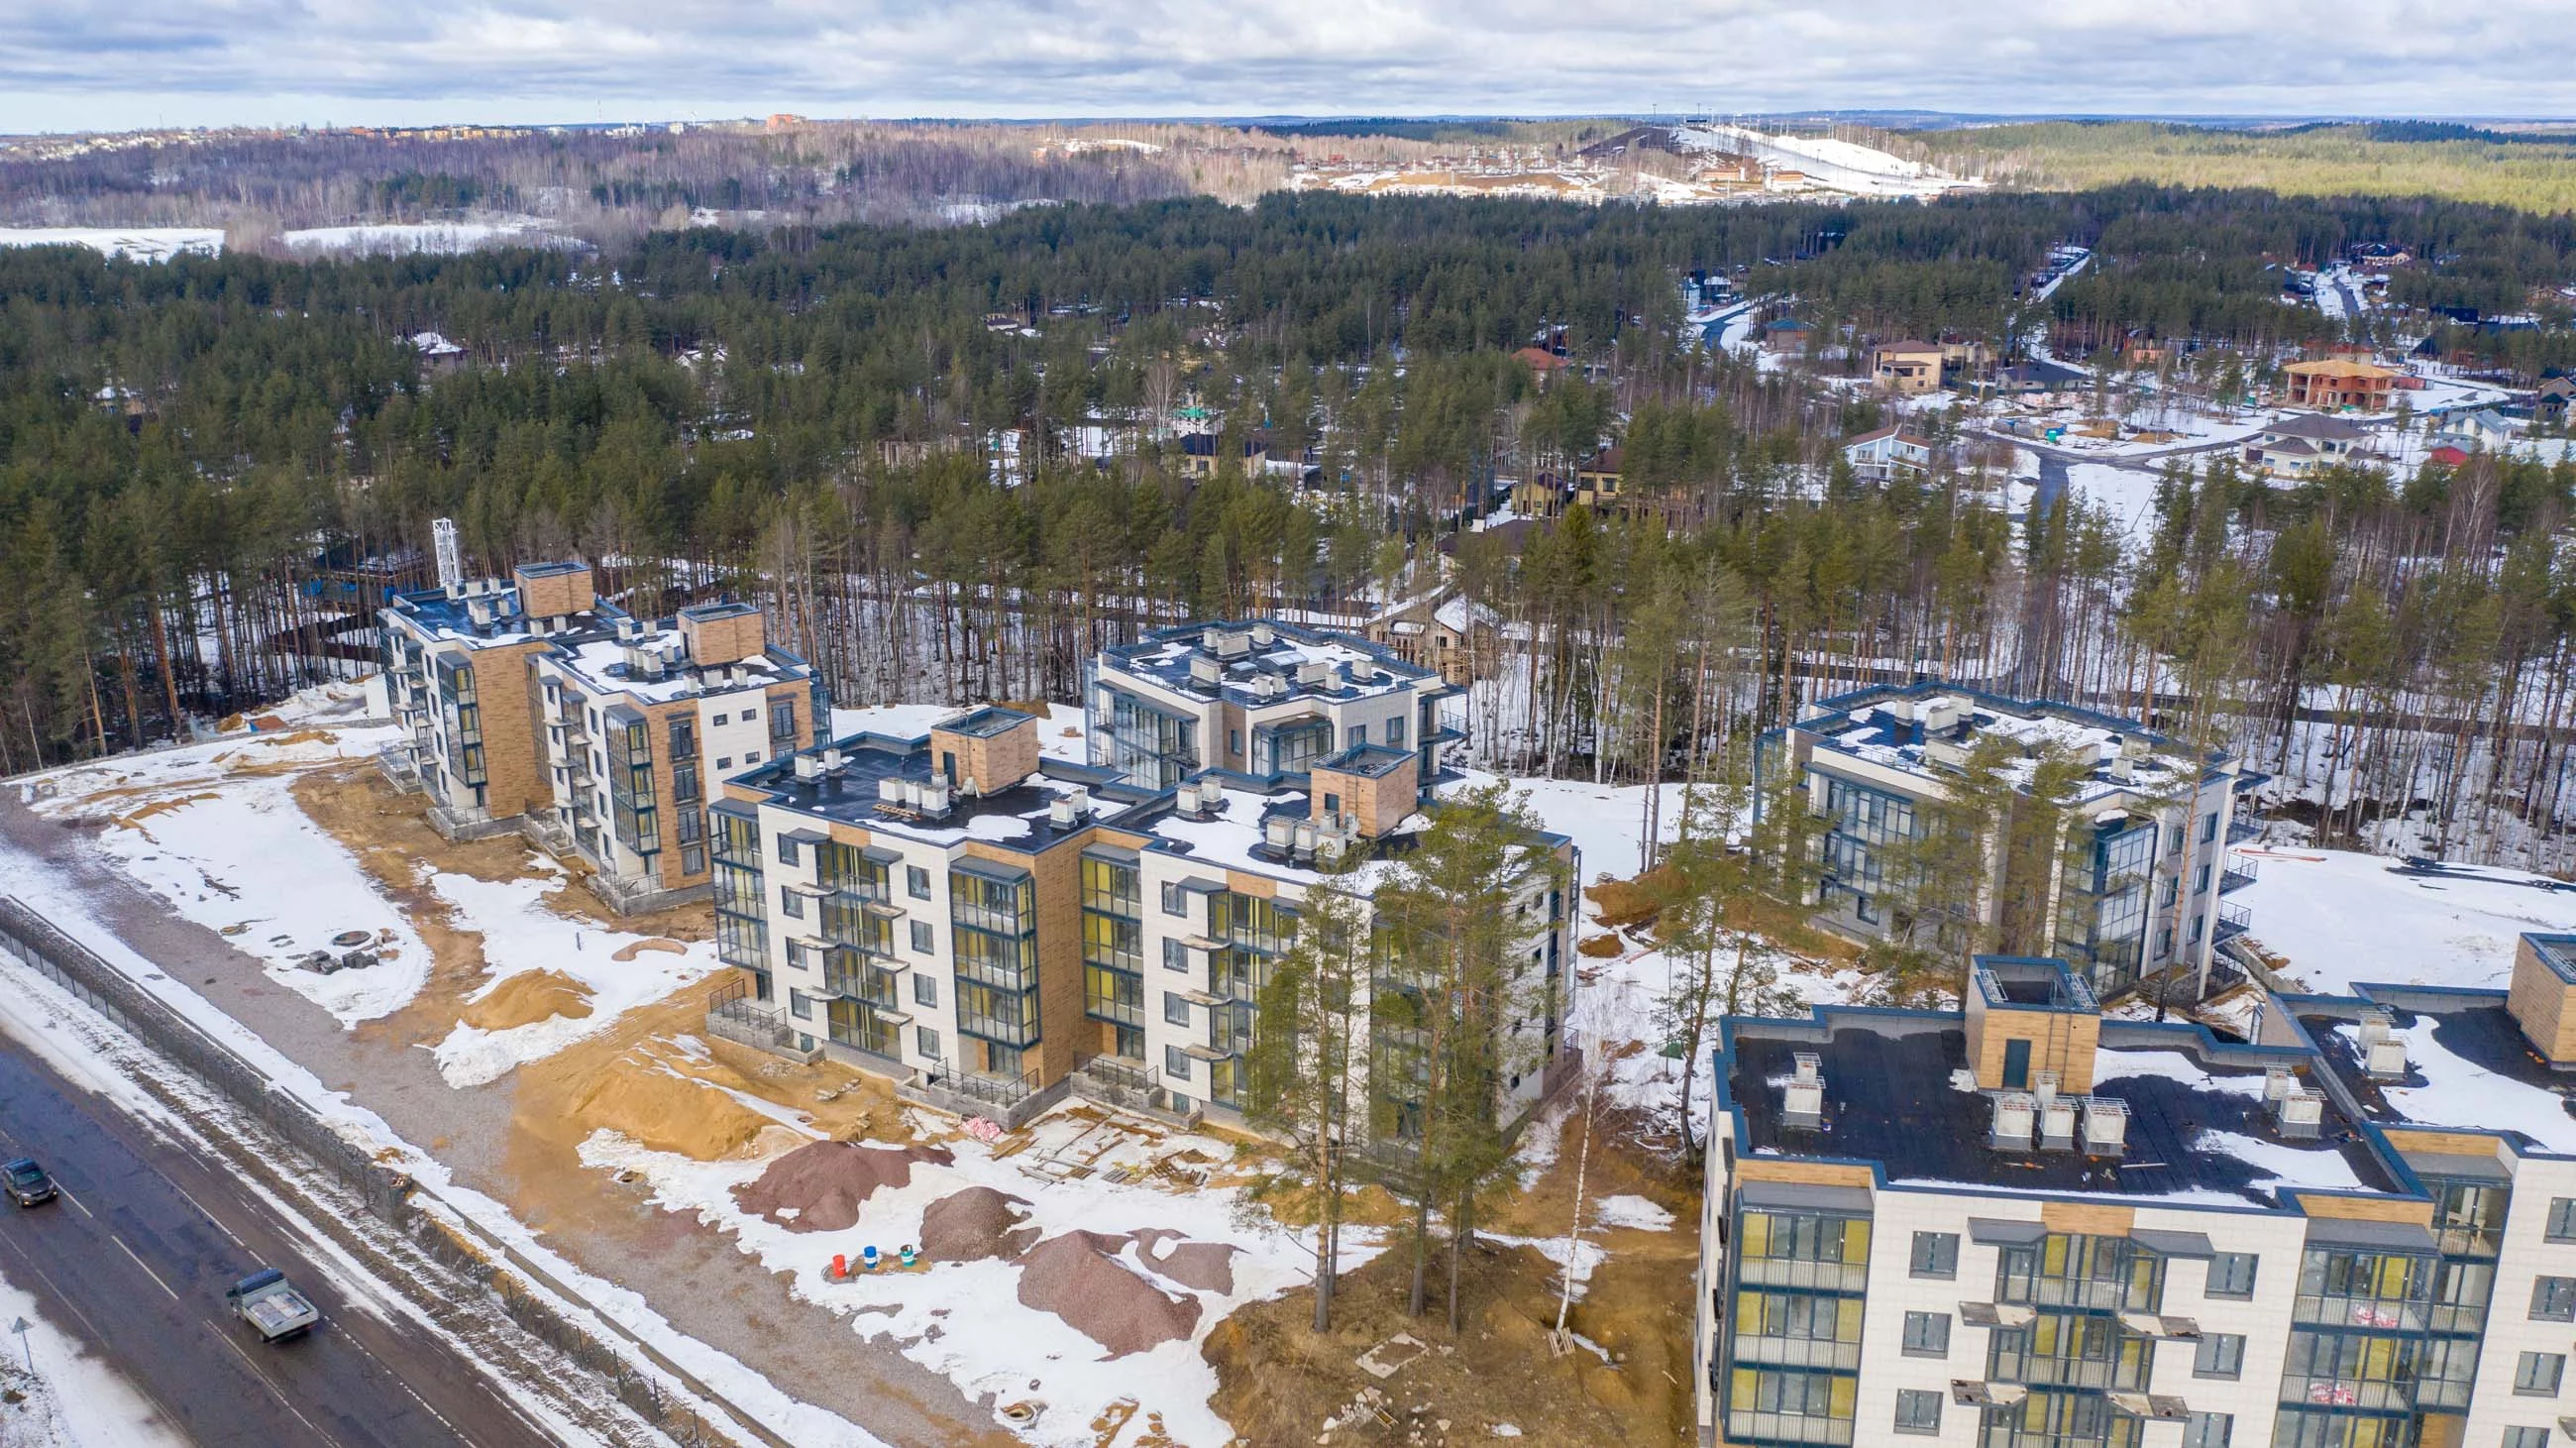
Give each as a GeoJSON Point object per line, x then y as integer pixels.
{"type": "Point", "coordinates": [974, 1224]}
{"type": "Point", "coordinates": [1079, 1278]}
{"type": "Point", "coordinates": [1207, 1266]}
{"type": "Point", "coordinates": [820, 1187]}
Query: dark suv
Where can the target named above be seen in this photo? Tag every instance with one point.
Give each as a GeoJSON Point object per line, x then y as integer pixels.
{"type": "Point", "coordinates": [26, 1181]}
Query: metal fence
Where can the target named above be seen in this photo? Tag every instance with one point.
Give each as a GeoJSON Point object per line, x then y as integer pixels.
{"type": "Point", "coordinates": [449, 1238]}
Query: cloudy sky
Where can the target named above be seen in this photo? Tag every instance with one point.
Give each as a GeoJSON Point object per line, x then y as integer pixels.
{"type": "Point", "coordinates": [85, 64]}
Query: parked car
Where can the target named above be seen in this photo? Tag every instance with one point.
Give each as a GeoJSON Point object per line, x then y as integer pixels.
{"type": "Point", "coordinates": [27, 1182]}
{"type": "Point", "coordinates": [269, 1303]}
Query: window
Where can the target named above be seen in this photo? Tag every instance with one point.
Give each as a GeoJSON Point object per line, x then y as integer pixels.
{"type": "Point", "coordinates": [1395, 731]}
{"type": "Point", "coordinates": [720, 720]}
{"type": "Point", "coordinates": [791, 904]}
{"type": "Point", "coordinates": [2537, 1374]}
{"type": "Point", "coordinates": [1172, 903]}
{"type": "Point", "coordinates": [693, 860]}
{"type": "Point", "coordinates": [2231, 1274]}
{"type": "Point", "coordinates": [2562, 1219]}
{"type": "Point", "coordinates": [2553, 1299]}
{"type": "Point", "coordinates": [1927, 1334]}
{"type": "Point", "coordinates": [2220, 1355]}
{"type": "Point", "coordinates": [926, 1041]}
{"type": "Point", "coordinates": [752, 757]}
{"type": "Point", "coordinates": [800, 1005]}
{"type": "Point", "coordinates": [747, 715]}
{"type": "Point", "coordinates": [1358, 737]}
{"type": "Point", "coordinates": [1234, 743]}
{"type": "Point", "coordinates": [1176, 956]}
{"type": "Point", "coordinates": [782, 720]}
{"type": "Point", "coordinates": [1936, 1254]}
{"type": "Point", "coordinates": [916, 882]}
{"type": "Point", "coordinates": [1918, 1410]}
{"type": "Point", "coordinates": [2207, 1430]}
{"type": "Point", "coordinates": [2200, 879]}
{"type": "Point", "coordinates": [724, 762]}
{"type": "Point", "coordinates": [2526, 1438]}
{"type": "Point", "coordinates": [2209, 827]}
{"type": "Point", "coordinates": [1176, 1008]}
{"type": "Point", "coordinates": [925, 990]}
{"type": "Point", "coordinates": [925, 940]}
{"type": "Point", "coordinates": [786, 850]}
{"type": "Point", "coordinates": [1176, 1063]}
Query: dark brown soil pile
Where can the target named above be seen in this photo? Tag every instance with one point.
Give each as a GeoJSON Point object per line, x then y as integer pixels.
{"type": "Point", "coordinates": [1207, 1266]}
{"type": "Point", "coordinates": [1077, 1278]}
{"type": "Point", "coordinates": [820, 1188]}
{"type": "Point", "coordinates": [974, 1224]}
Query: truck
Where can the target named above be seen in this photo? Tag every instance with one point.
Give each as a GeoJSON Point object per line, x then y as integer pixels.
{"type": "Point", "coordinates": [272, 1306]}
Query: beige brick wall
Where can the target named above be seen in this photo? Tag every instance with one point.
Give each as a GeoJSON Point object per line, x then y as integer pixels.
{"type": "Point", "coordinates": [725, 640]}
{"type": "Point", "coordinates": [554, 595]}
{"type": "Point", "coordinates": [2061, 1041]}
{"type": "Point", "coordinates": [995, 763]}
{"type": "Point", "coordinates": [1381, 803]}
{"type": "Point", "coordinates": [514, 778]}
{"type": "Point", "coordinates": [2537, 1000]}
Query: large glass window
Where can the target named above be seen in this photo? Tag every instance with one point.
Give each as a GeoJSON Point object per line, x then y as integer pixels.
{"type": "Point", "coordinates": [2070, 1349]}
{"type": "Point", "coordinates": [1154, 747]}
{"type": "Point", "coordinates": [1291, 748]}
{"type": "Point", "coordinates": [1797, 1249]}
{"type": "Point", "coordinates": [2066, 1270]}
{"type": "Point", "coordinates": [1790, 1406]}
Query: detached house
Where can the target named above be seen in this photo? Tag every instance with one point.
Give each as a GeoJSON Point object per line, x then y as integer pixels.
{"type": "Point", "coordinates": [1881, 454]}
{"type": "Point", "coordinates": [2299, 445]}
{"type": "Point", "coordinates": [1907, 369]}
{"type": "Point", "coordinates": [2335, 383]}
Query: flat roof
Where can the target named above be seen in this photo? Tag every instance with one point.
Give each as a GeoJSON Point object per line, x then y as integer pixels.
{"type": "Point", "coordinates": [433, 612]}
{"type": "Point", "coordinates": [984, 723]}
{"type": "Point", "coordinates": [2199, 1131]}
{"type": "Point", "coordinates": [1018, 817]}
{"type": "Point", "coordinates": [2468, 1066]}
{"type": "Point", "coordinates": [1883, 726]}
{"type": "Point", "coordinates": [1355, 668]}
{"type": "Point", "coordinates": [1371, 761]}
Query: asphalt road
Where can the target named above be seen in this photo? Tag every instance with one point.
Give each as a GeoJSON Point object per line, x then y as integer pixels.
{"type": "Point", "coordinates": [134, 1256]}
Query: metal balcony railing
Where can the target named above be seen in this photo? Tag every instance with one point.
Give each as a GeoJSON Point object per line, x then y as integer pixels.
{"type": "Point", "coordinates": [2239, 873]}
{"type": "Point", "coordinates": [2233, 921]}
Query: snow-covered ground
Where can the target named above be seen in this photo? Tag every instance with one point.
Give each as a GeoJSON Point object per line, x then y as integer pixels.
{"type": "Point", "coordinates": [134, 243]}
{"type": "Point", "coordinates": [214, 830]}
{"type": "Point", "coordinates": [523, 935]}
{"type": "Point", "coordinates": [966, 1320]}
{"type": "Point", "coordinates": [2338, 917]}
{"type": "Point", "coordinates": [54, 1394]}
{"type": "Point", "coordinates": [438, 237]}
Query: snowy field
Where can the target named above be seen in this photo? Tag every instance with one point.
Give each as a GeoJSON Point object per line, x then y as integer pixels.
{"type": "Point", "coordinates": [1179, 1255]}
{"type": "Point", "coordinates": [137, 243]}
{"type": "Point", "coordinates": [2338, 917]}
{"type": "Point", "coordinates": [431, 237]}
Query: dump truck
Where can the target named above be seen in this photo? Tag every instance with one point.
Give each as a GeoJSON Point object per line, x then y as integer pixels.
{"type": "Point", "coordinates": [270, 1304]}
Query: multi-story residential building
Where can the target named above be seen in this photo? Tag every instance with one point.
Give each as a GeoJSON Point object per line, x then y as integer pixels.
{"type": "Point", "coordinates": [534, 705]}
{"type": "Point", "coordinates": [2144, 888]}
{"type": "Point", "coordinates": [2022, 1225]}
{"type": "Point", "coordinates": [993, 930]}
{"type": "Point", "coordinates": [1263, 700]}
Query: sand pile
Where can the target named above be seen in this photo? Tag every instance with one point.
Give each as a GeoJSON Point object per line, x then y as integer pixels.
{"type": "Point", "coordinates": [525, 999]}
{"type": "Point", "coordinates": [820, 1187]}
{"type": "Point", "coordinates": [668, 947]}
{"type": "Point", "coordinates": [1207, 1266]}
{"type": "Point", "coordinates": [1078, 1278]}
{"type": "Point", "coordinates": [974, 1224]}
{"type": "Point", "coordinates": [663, 1110]}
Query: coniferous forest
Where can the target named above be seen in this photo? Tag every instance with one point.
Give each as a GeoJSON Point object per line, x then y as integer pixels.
{"type": "Point", "coordinates": [950, 460]}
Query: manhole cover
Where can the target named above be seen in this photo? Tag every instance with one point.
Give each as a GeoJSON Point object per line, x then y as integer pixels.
{"type": "Point", "coordinates": [351, 937]}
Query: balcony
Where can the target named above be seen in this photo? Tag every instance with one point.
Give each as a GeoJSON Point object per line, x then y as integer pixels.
{"type": "Point", "coordinates": [2238, 874]}
{"type": "Point", "coordinates": [2233, 921]}
{"type": "Point", "coordinates": [2241, 829]}
{"type": "Point", "coordinates": [1786, 1428]}
{"type": "Point", "coordinates": [1797, 1352]}
{"type": "Point", "coordinates": [1797, 1271]}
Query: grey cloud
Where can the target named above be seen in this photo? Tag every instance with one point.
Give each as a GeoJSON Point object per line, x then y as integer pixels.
{"type": "Point", "coordinates": [549, 59]}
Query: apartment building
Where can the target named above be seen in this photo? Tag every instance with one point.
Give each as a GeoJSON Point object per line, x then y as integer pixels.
{"type": "Point", "coordinates": [2144, 890]}
{"type": "Point", "coordinates": [992, 930]}
{"type": "Point", "coordinates": [1258, 699]}
{"type": "Point", "coordinates": [534, 705]}
{"type": "Point", "coordinates": [2020, 1224]}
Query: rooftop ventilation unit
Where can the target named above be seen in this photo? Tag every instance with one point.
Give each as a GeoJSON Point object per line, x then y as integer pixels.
{"type": "Point", "coordinates": [1227, 644]}
{"type": "Point", "coordinates": [2302, 1114]}
{"type": "Point", "coordinates": [1803, 1100]}
{"type": "Point", "coordinates": [2385, 1059]}
{"type": "Point", "coordinates": [2106, 1125]}
{"type": "Point", "coordinates": [1070, 808]}
{"type": "Point", "coordinates": [889, 791]}
{"type": "Point", "coordinates": [629, 629]}
{"type": "Point", "coordinates": [1205, 670]}
{"type": "Point", "coordinates": [1211, 794]}
{"type": "Point", "coordinates": [2277, 1083]}
{"type": "Point", "coordinates": [1279, 832]}
{"type": "Point", "coordinates": [1306, 835]}
{"type": "Point", "coordinates": [1945, 754]}
{"type": "Point", "coordinates": [831, 761]}
{"type": "Point", "coordinates": [1263, 635]}
{"type": "Point", "coordinates": [1939, 716]}
{"type": "Point", "coordinates": [1314, 674]}
{"type": "Point", "coordinates": [935, 799]}
{"type": "Point", "coordinates": [808, 768]}
{"type": "Point", "coordinates": [2014, 1113]}
{"type": "Point", "coordinates": [2133, 748]}
{"type": "Point", "coordinates": [2057, 1124]}
{"type": "Point", "coordinates": [1268, 686]}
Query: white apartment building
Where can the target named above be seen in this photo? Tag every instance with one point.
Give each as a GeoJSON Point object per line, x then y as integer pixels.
{"type": "Point", "coordinates": [2149, 888]}
{"type": "Point", "coordinates": [1261, 700]}
{"type": "Point", "coordinates": [2022, 1225]}
{"type": "Point", "coordinates": [992, 930]}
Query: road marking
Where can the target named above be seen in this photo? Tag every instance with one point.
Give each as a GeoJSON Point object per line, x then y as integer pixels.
{"type": "Point", "coordinates": [75, 1201]}
{"type": "Point", "coordinates": [190, 1199]}
{"type": "Point", "coordinates": [146, 1266]}
{"type": "Point", "coordinates": [226, 1338]}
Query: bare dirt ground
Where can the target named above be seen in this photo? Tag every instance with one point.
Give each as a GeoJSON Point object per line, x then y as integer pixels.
{"type": "Point", "coordinates": [1285, 1384]}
